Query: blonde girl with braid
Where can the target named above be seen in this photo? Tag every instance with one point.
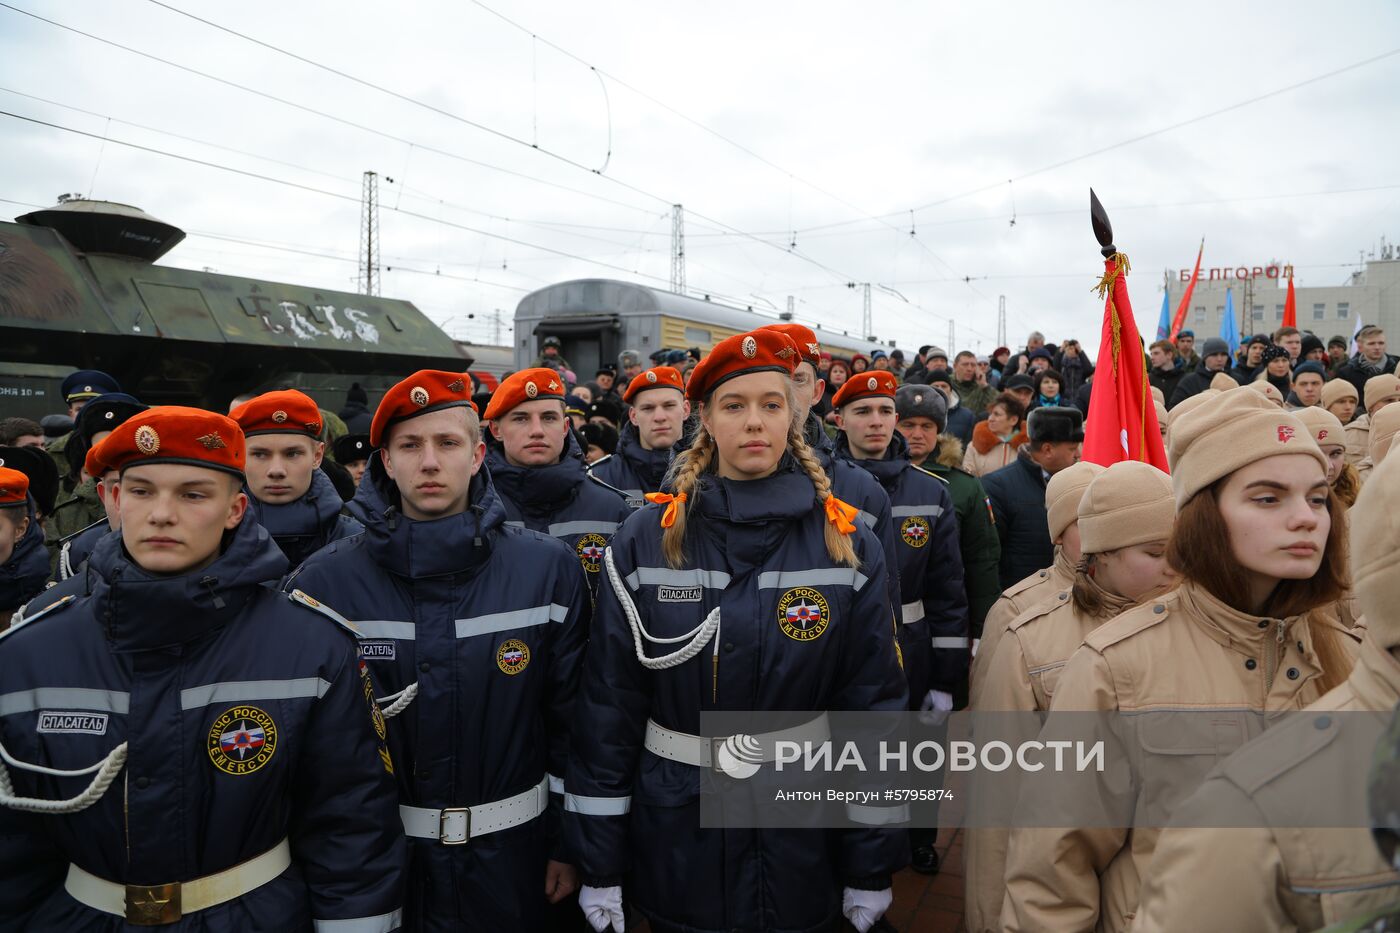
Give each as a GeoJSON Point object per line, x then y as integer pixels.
{"type": "Point", "coordinates": [748, 586]}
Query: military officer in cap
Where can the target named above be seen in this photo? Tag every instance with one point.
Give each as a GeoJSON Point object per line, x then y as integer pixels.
{"type": "Point", "coordinates": [79, 521]}
{"type": "Point", "coordinates": [352, 452]}
{"type": "Point", "coordinates": [537, 466]}
{"type": "Point", "coordinates": [289, 495]}
{"type": "Point", "coordinates": [655, 421]}
{"type": "Point", "coordinates": [78, 389]}
{"type": "Point", "coordinates": [254, 789]}
{"type": "Point", "coordinates": [473, 629]}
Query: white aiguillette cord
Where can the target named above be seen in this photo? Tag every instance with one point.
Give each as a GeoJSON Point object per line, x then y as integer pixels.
{"type": "Point", "coordinates": [699, 637]}
{"type": "Point", "coordinates": [107, 770]}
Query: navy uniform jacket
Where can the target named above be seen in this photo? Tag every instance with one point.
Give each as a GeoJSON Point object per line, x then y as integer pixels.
{"type": "Point", "coordinates": [23, 576]}
{"type": "Point", "coordinates": [1017, 494]}
{"type": "Point", "coordinates": [933, 602]}
{"type": "Point", "coordinates": [441, 604]}
{"type": "Point", "coordinates": [304, 526]}
{"type": "Point", "coordinates": [563, 501]}
{"type": "Point", "coordinates": [633, 470]}
{"type": "Point", "coordinates": [854, 486]}
{"type": "Point", "coordinates": [753, 549]}
{"type": "Point", "coordinates": [247, 722]}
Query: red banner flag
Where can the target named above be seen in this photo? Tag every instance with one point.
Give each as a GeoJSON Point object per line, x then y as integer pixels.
{"type": "Point", "coordinates": [1290, 306]}
{"type": "Point", "coordinates": [1179, 320]}
{"type": "Point", "coordinates": [1122, 421]}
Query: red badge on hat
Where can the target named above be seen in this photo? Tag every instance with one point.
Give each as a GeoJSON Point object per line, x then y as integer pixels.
{"type": "Point", "coordinates": [171, 434]}
{"type": "Point", "coordinates": [762, 350]}
{"type": "Point", "coordinates": [1285, 433]}
{"type": "Point", "coordinates": [426, 390]}
{"type": "Point", "coordinates": [284, 412]}
{"type": "Point", "coordinates": [525, 386]}
{"type": "Point", "coordinates": [660, 377]}
{"type": "Point", "coordinates": [870, 384]}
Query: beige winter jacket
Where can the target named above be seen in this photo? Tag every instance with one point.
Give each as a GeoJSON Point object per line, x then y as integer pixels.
{"type": "Point", "coordinates": [1358, 439]}
{"type": "Point", "coordinates": [1041, 585]}
{"type": "Point", "coordinates": [1184, 652]}
{"type": "Point", "coordinates": [1022, 676]}
{"type": "Point", "coordinates": [1265, 880]}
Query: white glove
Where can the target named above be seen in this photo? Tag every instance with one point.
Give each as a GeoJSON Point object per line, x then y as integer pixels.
{"type": "Point", "coordinates": [863, 908]}
{"type": "Point", "coordinates": [935, 707]}
{"type": "Point", "coordinates": [975, 643]}
{"type": "Point", "coordinates": [602, 906]}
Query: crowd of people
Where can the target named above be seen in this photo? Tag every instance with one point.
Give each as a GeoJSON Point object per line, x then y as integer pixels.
{"type": "Point", "coordinates": [439, 663]}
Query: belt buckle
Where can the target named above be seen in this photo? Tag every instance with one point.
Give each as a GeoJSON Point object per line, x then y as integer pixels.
{"type": "Point", "coordinates": [152, 905]}
{"type": "Point", "coordinates": [442, 826]}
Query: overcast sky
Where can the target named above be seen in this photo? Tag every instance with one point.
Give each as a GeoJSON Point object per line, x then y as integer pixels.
{"type": "Point", "coordinates": [851, 118]}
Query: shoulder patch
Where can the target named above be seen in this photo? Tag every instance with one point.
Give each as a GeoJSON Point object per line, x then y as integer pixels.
{"type": "Point", "coordinates": [20, 618]}
{"type": "Point", "coordinates": [297, 596]}
{"type": "Point", "coordinates": [1279, 750]}
{"type": "Point", "coordinates": [1040, 610]}
{"type": "Point", "coordinates": [941, 479]}
{"type": "Point", "coordinates": [1125, 626]}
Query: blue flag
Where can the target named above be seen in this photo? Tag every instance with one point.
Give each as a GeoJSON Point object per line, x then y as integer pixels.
{"type": "Point", "coordinates": [1164, 323]}
{"type": "Point", "coordinates": [1229, 331]}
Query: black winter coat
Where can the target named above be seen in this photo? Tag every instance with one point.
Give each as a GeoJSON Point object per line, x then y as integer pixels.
{"type": "Point", "coordinates": [1017, 493]}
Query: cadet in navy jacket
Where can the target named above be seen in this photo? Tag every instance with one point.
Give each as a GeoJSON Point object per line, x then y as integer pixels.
{"type": "Point", "coordinates": [754, 533]}
{"type": "Point", "coordinates": [288, 493]}
{"type": "Point", "coordinates": [473, 630]}
{"type": "Point", "coordinates": [656, 420]}
{"type": "Point", "coordinates": [538, 470]}
{"type": "Point", "coordinates": [933, 603]}
{"type": "Point", "coordinates": [233, 724]}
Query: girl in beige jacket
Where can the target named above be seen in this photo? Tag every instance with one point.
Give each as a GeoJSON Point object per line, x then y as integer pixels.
{"type": "Point", "coordinates": [1125, 517]}
{"type": "Point", "coordinates": [1258, 550]}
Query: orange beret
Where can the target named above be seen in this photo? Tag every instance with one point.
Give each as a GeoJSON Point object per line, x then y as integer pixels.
{"type": "Point", "coordinates": [174, 434]}
{"type": "Point", "coordinates": [524, 386]}
{"type": "Point", "coordinates": [658, 377]}
{"type": "Point", "coordinates": [94, 465]}
{"type": "Point", "coordinates": [284, 412]}
{"type": "Point", "coordinates": [426, 390]}
{"type": "Point", "coordinates": [759, 351]}
{"type": "Point", "coordinates": [804, 338]}
{"type": "Point", "coordinates": [869, 384]}
{"type": "Point", "coordinates": [14, 488]}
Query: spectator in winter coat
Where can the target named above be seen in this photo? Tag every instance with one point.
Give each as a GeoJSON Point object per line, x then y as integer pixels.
{"type": "Point", "coordinates": [1370, 360]}
{"type": "Point", "coordinates": [1049, 389]}
{"type": "Point", "coordinates": [1253, 358]}
{"type": "Point", "coordinates": [1313, 349]}
{"type": "Point", "coordinates": [1166, 371]}
{"type": "Point", "coordinates": [972, 389]}
{"type": "Point", "coordinates": [1215, 358]}
{"type": "Point", "coordinates": [1308, 378]}
{"type": "Point", "coordinates": [356, 413]}
{"type": "Point", "coordinates": [1021, 387]}
{"type": "Point", "coordinates": [1277, 370]}
{"type": "Point", "coordinates": [996, 440]}
{"type": "Point", "coordinates": [859, 363]}
{"type": "Point", "coordinates": [1336, 355]}
{"type": "Point", "coordinates": [960, 420]}
{"type": "Point", "coordinates": [1017, 491]}
{"type": "Point", "coordinates": [1075, 368]}
{"type": "Point", "coordinates": [1186, 350]}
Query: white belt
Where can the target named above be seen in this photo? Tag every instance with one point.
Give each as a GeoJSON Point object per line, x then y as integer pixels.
{"type": "Point", "coordinates": [159, 904]}
{"type": "Point", "coordinates": [698, 750]}
{"type": "Point", "coordinates": [453, 826]}
{"type": "Point", "coordinates": [912, 612]}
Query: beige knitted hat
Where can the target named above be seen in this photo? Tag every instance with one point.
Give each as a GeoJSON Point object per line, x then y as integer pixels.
{"type": "Point", "coordinates": [1063, 492]}
{"type": "Point", "coordinates": [1325, 427]}
{"type": "Point", "coordinates": [1267, 389]}
{"type": "Point", "coordinates": [1375, 552]}
{"type": "Point", "coordinates": [1382, 388]}
{"type": "Point", "coordinates": [1223, 382]}
{"type": "Point", "coordinates": [1384, 425]}
{"type": "Point", "coordinates": [1158, 395]}
{"type": "Point", "coordinates": [1129, 503]}
{"type": "Point", "coordinates": [1231, 431]}
{"type": "Point", "coordinates": [1162, 414]}
{"type": "Point", "coordinates": [1336, 390]}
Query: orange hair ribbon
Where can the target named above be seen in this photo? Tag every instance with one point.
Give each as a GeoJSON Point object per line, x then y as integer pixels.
{"type": "Point", "coordinates": [672, 503]}
{"type": "Point", "coordinates": [840, 514]}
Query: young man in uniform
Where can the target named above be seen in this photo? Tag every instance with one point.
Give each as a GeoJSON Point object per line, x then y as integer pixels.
{"type": "Point", "coordinates": [922, 416]}
{"type": "Point", "coordinates": [352, 452]}
{"type": "Point", "coordinates": [655, 421]}
{"type": "Point", "coordinates": [288, 493]}
{"type": "Point", "coordinates": [253, 789]}
{"type": "Point", "coordinates": [539, 473]}
{"type": "Point", "coordinates": [933, 633]}
{"type": "Point", "coordinates": [473, 630]}
{"type": "Point", "coordinates": [848, 482]}
{"type": "Point", "coordinates": [78, 389]}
